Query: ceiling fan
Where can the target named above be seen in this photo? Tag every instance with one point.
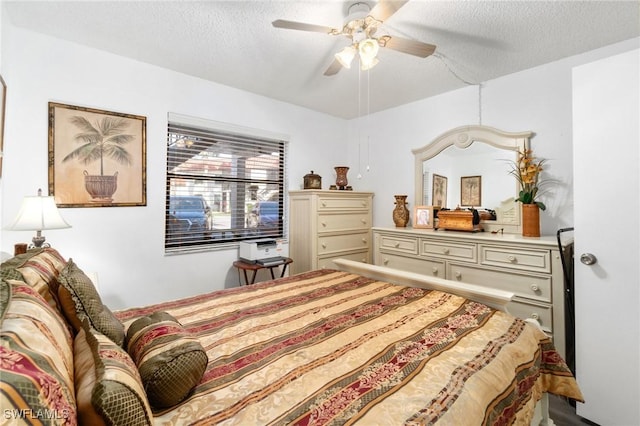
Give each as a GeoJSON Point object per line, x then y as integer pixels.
{"type": "Point", "coordinates": [361, 28]}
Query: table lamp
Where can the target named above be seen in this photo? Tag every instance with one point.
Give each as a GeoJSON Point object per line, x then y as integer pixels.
{"type": "Point", "coordinates": [36, 214]}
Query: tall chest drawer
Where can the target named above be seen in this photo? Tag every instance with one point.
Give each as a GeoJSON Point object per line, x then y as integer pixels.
{"type": "Point", "coordinates": [343, 203]}
{"type": "Point", "coordinates": [327, 261]}
{"type": "Point", "coordinates": [334, 243]}
{"type": "Point", "coordinates": [344, 221]}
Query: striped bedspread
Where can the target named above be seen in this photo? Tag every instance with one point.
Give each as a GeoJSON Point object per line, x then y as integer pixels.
{"type": "Point", "coordinates": [333, 348]}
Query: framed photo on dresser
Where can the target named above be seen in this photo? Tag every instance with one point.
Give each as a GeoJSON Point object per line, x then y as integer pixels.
{"type": "Point", "coordinates": [424, 216]}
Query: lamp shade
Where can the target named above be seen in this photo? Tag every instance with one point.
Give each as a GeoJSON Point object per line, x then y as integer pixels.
{"type": "Point", "coordinates": [38, 213]}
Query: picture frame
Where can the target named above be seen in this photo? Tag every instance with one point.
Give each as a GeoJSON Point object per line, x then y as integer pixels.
{"type": "Point", "coordinates": [424, 216]}
{"type": "Point", "coordinates": [97, 158]}
{"type": "Point", "coordinates": [3, 107]}
{"type": "Point", "coordinates": [471, 191]}
{"type": "Point", "coordinates": [439, 191]}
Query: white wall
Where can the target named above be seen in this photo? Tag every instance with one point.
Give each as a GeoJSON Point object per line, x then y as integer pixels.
{"type": "Point", "coordinates": [125, 245]}
{"type": "Point", "coordinates": [538, 100]}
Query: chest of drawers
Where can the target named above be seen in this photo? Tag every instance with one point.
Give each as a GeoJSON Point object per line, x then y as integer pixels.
{"type": "Point", "coordinates": [531, 268]}
{"type": "Point", "coordinates": [326, 225]}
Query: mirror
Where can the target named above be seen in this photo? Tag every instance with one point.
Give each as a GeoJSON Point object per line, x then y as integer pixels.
{"type": "Point", "coordinates": [469, 167]}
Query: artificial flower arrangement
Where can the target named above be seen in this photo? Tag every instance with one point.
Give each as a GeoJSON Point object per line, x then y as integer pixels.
{"type": "Point", "coordinates": [527, 171]}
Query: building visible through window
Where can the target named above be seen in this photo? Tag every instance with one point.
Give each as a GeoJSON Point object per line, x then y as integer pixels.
{"type": "Point", "coordinates": [222, 187]}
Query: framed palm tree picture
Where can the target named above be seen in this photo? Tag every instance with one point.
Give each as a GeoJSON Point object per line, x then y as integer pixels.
{"type": "Point", "coordinates": [471, 191]}
{"type": "Point", "coordinates": [439, 191]}
{"type": "Point", "coordinates": [96, 158]}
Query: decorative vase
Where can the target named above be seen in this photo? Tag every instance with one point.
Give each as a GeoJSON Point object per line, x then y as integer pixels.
{"type": "Point", "coordinates": [341, 177]}
{"type": "Point", "coordinates": [530, 220]}
{"type": "Point", "coordinates": [401, 212]}
{"type": "Point", "coordinates": [101, 188]}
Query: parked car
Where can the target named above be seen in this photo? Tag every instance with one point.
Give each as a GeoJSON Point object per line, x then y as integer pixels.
{"type": "Point", "coordinates": [265, 214]}
{"type": "Point", "coordinates": [189, 213]}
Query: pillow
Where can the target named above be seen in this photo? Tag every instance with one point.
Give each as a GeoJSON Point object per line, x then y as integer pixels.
{"type": "Point", "coordinates": [5, 298]}
{"type": "Point", "coordinates": [79, 299]}
{"type": "Point", "coordinates": [37, 267]}
{"type": "Point", "coordinates": [44, 265]}
{"type": "Point", "coordinates": [36, 350]}
{"type": "Point", "coordinates": [108, 386]}
{"type": "Point", "coordinates": [171, 362]}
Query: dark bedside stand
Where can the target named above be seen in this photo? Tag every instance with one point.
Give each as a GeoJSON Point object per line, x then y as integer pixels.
{"type": "Point", "coordinates": [243, 266]}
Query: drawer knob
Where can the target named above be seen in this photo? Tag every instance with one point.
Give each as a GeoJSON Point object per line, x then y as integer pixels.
{"type": "Point", "coordinates": [363, 221]}
{"type": "Point", "coordinates": [324, 245]}
{"type": "Point", "coordinates": [385, 261]}
{"type": "Point", "coordinates": [396, 245]}
{"type": "Point", "coordinates": [512, 258]}
{"type": "Point", "coordinates": [445, 251]}
{"type": "Point", "coordinates": [434, 270]}
{"type": "Point", "coordinates": [324, 204]}
{"type": "Point", "coordinates": [535, 316]}
{"type": "Point", "coordinates": [458, 275]}
{"type": "Point", "coordinates": [364, 240]}
{"type": "Point", "coordinates": [364, 204]}
{"type": "Point", "coordinates": [323, 224]}
{"type": "Point", "coordinates": [535, 287]}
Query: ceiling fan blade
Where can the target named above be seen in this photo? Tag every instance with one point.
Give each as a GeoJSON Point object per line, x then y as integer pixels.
{"type": "Point", "coordinates": [333, 68]}
{"type": "Point", "coordinates": [301, 26]}
{"type": "Point", "coordinates": [412, 47]}
{"type": "Point", "coordinates": [385, 8]}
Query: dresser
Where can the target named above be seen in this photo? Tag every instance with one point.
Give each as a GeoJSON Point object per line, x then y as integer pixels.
{"type": "Point", "coordinates": [326, 225]}
{"type": "Point", "coordinates": [531, 268]}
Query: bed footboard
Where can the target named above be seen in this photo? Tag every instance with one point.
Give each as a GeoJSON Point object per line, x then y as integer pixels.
{"type": "Point", "coordinates": [497, 299]}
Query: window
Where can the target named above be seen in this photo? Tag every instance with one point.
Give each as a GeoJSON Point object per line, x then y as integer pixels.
{"type": "Point", "coordinates": [224, 185]}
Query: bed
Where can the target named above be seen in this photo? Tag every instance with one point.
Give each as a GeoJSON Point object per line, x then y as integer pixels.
{"type": "Point", "coordinates": [359, 344]}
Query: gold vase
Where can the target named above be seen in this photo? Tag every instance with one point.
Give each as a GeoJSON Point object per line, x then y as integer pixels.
{"type": "Point", "coordinates": [401, 212]}
{"type": "Point", "coordinates": [530, 220]}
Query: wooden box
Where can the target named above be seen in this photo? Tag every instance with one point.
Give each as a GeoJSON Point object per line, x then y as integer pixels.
{"type": "Point", "coordinates": [459, 220]}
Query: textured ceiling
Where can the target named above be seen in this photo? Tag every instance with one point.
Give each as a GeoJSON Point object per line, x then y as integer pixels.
{"type": "Point", "coordinates": [234, 43]}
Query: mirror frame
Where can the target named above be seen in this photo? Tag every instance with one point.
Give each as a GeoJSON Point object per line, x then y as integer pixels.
{"type": "Point", "coordinates": [462, 137]}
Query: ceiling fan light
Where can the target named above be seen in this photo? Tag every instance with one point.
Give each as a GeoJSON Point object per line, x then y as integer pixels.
{"type": "Point", "coordinates": [345, 56]}
{"type": "Point", "coordinates": [368, 49]}
{"type": "Point", "coordinates": [368, 64]}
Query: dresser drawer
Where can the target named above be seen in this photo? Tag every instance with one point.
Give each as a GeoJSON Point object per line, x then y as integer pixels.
{"type": "Point", "coordinates": [344, 221]}
{"type": "Point", "coordinates": [327, 262]}
{"type": "Point", "coordinates": [333, 243]}
{"type": "Point", "coordinates": [398, 244]}
{"type": "Point", "coordinates": [446, 250]}
{"type": "Point", "coordinates": [432, 268]}
{"type": "Point", "coordinates": [523, 285]}
{"type": "Point", "coordinates": [343, 203]}
{"type": "Point", "coordinates": [530, 260]}
{"type": "Point", "coordinates": [540, 312]}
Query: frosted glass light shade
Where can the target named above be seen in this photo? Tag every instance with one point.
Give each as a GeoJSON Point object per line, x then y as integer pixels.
{"type": "Point", "coordinates": [368, 64]}
{"type": "Point", "coordinates": [38, 213]}
{"type": "Point", "coordinates": [345, 56]}
{"type": "Point", "coordinates": [368, 49]}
